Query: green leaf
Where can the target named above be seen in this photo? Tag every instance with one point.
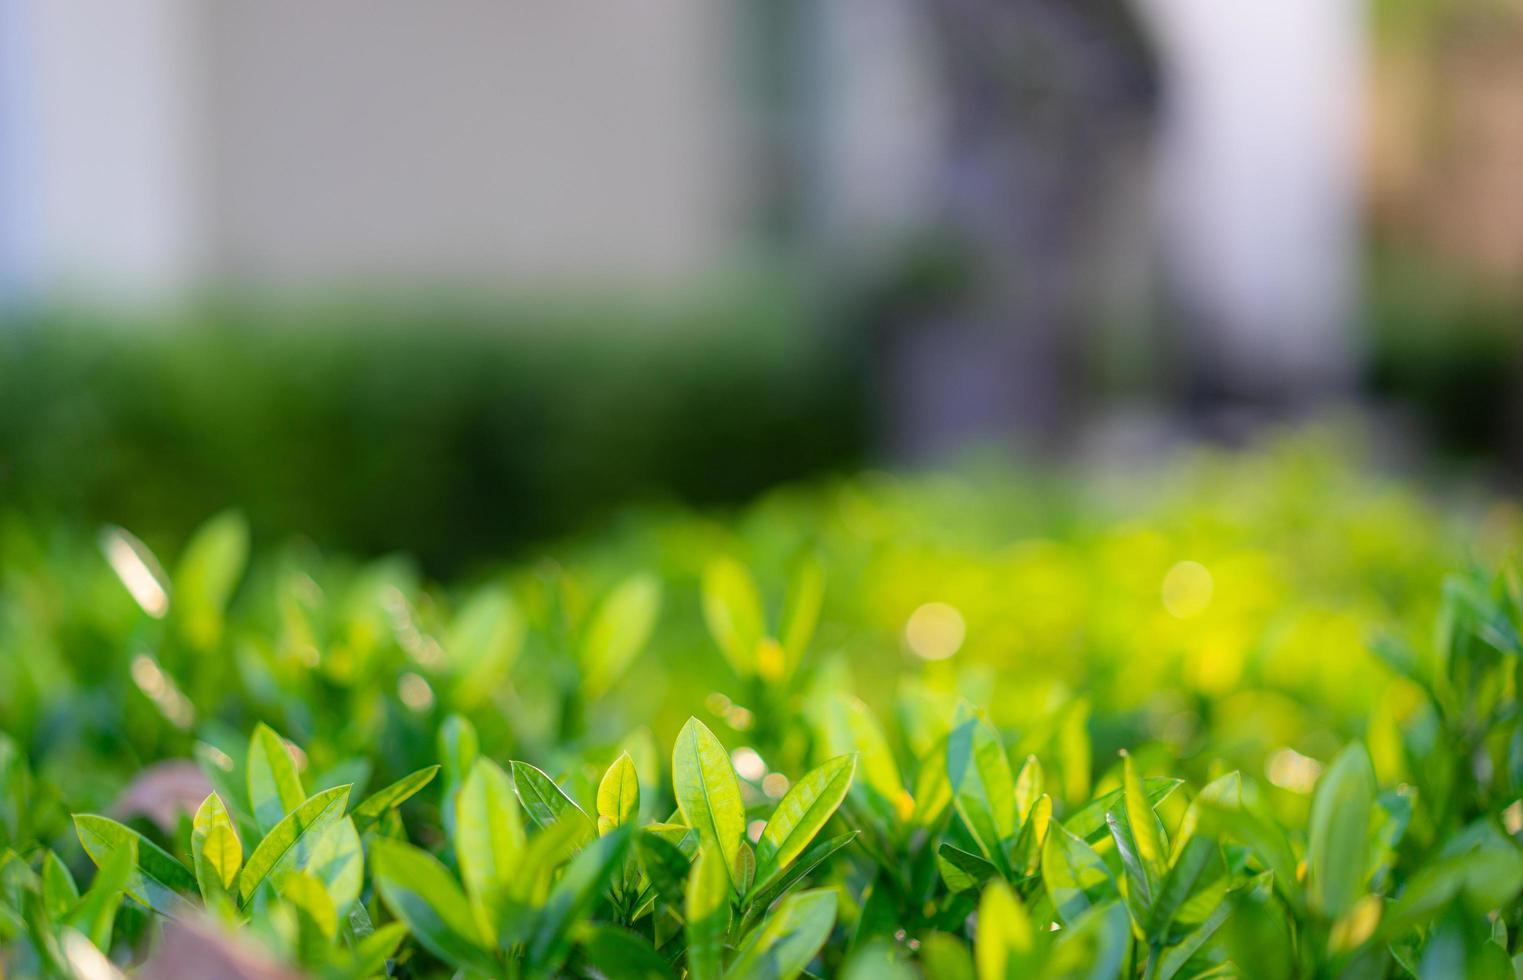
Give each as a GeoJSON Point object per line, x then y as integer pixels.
{"type": "Point", "coordinates": [482, 642]}
{"type": "Point", "coordinates": [801, 612]}
{"type": "Point", "coordinates": [1340, 818]}
{"type": "Point", "coordinates": [573, 894]}
{"type": "Point", "coordinates": [368, 957]}
{"type": "Point", "coordinates": [788, 939]}
{"type": "Point", "coordinates": [1094, 947]}
{"type": "Point", "coordinates": [336, 858]}
{"type": "Point", "coordinates": [1198, 867]}
{"type": "Point", "coordinates": [963, 871]}
{"type": "Point", "coordinates": [215, 849]}
{"type": "Point", "coordinates": [158, 880]}
{"type": "Point", "coordinates": [274, 785]}
{"type": "Point", "coordinates": [945, 957]}
{"type": "Point", "coordinates": [376, 804]}
{"type": "Point", "coordinates": [59, 893]}
{"type": "Point", "coordinates": [665, 865]}
{"type": "Point", "coordinates": [546, 803]}
{"type": "Point", "coordinates": [763, 897]}
{"type": "Point", "coordinates": [707, 911]}
{"type": "Point", "coordinates": [95, 913]}
{"type": "Point", "coordinates": [983, 789]}
{"type": "Point", "coordinates": [733, 611]}
{"type": "Point", "coordinates": [209, 570]}
{"type": "Point", "coordinates": [288, 844]}
{"type": "Point", "coordinates": [458, 749]}
{"type": "Point", "coordinates": [619, 631]}
{"type": "Point", "coordinates": [1026, 855]}
{"type": "Point", "coordinates": [311, 899]}
{"type": "Point", "coordinates": [802, 813]}
{"type": "Point", "coordinates": [1028, 786]}
{"type": "Point", "coordinates": [708, 793]}
{"type": "Point", "coordinates": [1088, 821]}
{"type": "Point", "coordinates": [1225, 790]}
{"type": "Point", "coordinates": [489, 833]}
{"type": "Point", "coordinates": [620, 954]}
{"type": "Point", "coordinates": [1006, 941]}
{"type": "Point", "coordinates": [1076, 877]}
{"type": "Point", "coordinates": [419, 891]}
{"type": "Point", "coordinates": [849, 726]}
{"type": "Point", "coordinates": [618, 795]}
{"type": "Point", "coordinates": [1146, 828]}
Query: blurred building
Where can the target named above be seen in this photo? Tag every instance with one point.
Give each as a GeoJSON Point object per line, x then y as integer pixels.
{"type": "Point", "coordinates": [1170, 179]}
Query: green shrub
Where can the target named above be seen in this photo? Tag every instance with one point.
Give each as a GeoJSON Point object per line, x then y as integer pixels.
{"type": "Point", "coordinates": [874, 729]}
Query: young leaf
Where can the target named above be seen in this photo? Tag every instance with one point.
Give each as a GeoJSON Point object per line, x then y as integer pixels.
{"type": "Point", "coordinates": [489, 833]}
{"type": "Point", "coordinates": [1200, 865]}
{"type": "Point", "coordinates": [158, 880]}
{"type": "Point", "coordinates": [732, 608]}
{"type": "Point", "coordinates": [290, 841]}
{"type": "Point", "coordinates": [665, 865]}
{"type": "Point", "coordinates": [945, 957]}
{"type": "Point", "coordinates": [215, 849]}
{"type": "Point", "coordinates": [788, 939]}
{"type": "Point", "coordinates": [802, 813]}
{"type": "Point", "coordinates": [59, 893]}
{"type": "Point", "coordinates": [1006, 938]}
{"type": "Point", "coordinates": [1076, 877]}
{"type": "Point", "coordinates": [311, 899]}
{"type": "Point", "coordinates": [1336, 847]}
{"type": "Point", "coordinates": [781, 885]}
{"type": "Point", "coordinates": [483, 641]}
{"type": "Point", "coordinates": [577, 889]}
{"type": "Point", "coordinates": [708, 793]}
{"type": "Point", "coordinates": [982, 788]}
{"type": "Point", "coordinates": [546, 803]}
{"type": "Point", "coordinates": [620, 954]}
{"type": "Point", "coordinates": [420, 892]}
{"type": "Point", "coordinates": [619, 631]}
{"type": "Point", "coordinates": [1026, 855]}
{"type": "Point", "coordinates": [1028, 786]}
{"type": "Point", "coordinates": [1088, 822]}
{"type": "Point", "coordinates": [618, 795]}
{"type": "Point", "coordinates": [336, 858]}
{"type": "Point", "coordinates": [707, 911]}
{"type": "Point", "coordinates": [963, 871]}
{"type": "Point", "coordinates": [95, 913]}
{"type": "Point", "coordinates": [209, 569]}
{"type": "Point", "coordinates": [274, 785]}
{"type": "Point", "coordinates": [376, 804]}
{"type": "Point", "coordinates": [1146, 828]}
{"type": "Point", "coordinates": [801, 611]}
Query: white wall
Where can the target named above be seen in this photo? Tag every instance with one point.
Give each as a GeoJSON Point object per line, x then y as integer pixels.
{"type": "Point", "coordinates": [152, 146]}
{"type": "Point", "coordinates": [1258, 163]}
{"type": "Point", "coordinates": [100, 158]}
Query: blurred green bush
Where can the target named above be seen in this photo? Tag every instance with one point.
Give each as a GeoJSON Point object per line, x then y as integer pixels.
{"type": "Point", "coordinates": [451, 431]}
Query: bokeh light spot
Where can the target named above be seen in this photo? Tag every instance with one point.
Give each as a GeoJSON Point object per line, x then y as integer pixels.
{"type": "Point", "coordinates": [935, 631]}
{"type": "Point", "coordinates": [1187, 589]}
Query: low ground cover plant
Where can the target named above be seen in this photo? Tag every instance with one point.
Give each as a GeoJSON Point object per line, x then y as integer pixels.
{"type": "Point", "coordinates": [673, 751]}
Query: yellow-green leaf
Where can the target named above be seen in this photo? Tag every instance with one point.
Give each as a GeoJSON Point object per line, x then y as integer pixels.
{"type": "Point", "coordinates": [707, 911]}
{"type": "Point", "coordinates": [273, 782]}
{"type": "Point", "coordinates": [802, 813]}
{"type": "Point", "coordinates": [618, 794]}
{"type": "Point", "coordinates": [733, 610]}
{"type": "Point", "coordinates": [215, 848]}
{"type": "Point", "coordinates": [707, 791]}
{"type": "Point", "coordinates": [290, 842]}
{"type": "Point", "coordinates": [619, 631]}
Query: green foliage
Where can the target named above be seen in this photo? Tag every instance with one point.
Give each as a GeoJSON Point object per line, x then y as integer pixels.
{"type": "Point", "coordinates": [610, 768]}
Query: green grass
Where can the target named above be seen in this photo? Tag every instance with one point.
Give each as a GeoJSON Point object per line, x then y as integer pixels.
{"type": "Point", "coordinates": [1246, 715]}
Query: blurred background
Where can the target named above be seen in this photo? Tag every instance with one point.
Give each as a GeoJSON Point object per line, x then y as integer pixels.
{"type": "Point", "coordinates": [460, 277]}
